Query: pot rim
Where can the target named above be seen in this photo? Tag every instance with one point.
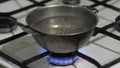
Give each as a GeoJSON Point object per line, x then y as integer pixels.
{"type": "Point", "coordinates": [73, 6]}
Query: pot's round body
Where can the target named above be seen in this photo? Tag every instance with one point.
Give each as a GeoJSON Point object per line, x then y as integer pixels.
{"type": "Point", "coordinates": [63, 29]}
{"type": "Point", "coordinates": [63, 44]}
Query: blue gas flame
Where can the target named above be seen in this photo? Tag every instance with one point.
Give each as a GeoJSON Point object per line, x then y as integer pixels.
{"type": "Point", "coordinates": [82, 50]}
{"type": "Point", "coordinates": [61, 61]}
{"type": "Point", "coordinates": [41, 50]}
{"type": "Point", "coordinates": [65, 60]}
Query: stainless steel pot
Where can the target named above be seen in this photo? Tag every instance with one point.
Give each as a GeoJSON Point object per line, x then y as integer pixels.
{"type": "Point", "coordinates": [62, 28]}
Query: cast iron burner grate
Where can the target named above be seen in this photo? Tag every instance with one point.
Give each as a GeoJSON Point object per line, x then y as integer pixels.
{"type": "Point", "coordinates": [62, 59]}
{"type": "Point", "coordinates": [6, 24]}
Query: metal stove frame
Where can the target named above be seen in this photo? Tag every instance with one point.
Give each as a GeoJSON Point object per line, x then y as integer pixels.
{"type": "Point", "coordinates": [102, 30]}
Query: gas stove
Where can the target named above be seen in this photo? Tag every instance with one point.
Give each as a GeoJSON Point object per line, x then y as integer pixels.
{"type": "Point", "coordinates": [102, 51]}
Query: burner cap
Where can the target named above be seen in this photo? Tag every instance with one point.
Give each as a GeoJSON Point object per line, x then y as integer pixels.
{"type": "Point", "coordinates": [6, 24]}
{"type": "Point", "coordinates": [71, 2]}
{"type": "Point", "coordinates": [62, 59]}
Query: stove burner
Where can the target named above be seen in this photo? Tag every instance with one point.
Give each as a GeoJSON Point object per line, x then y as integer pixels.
{"type": "Point", "coordinates": [62, 59]}
{"type": "Point", "coordinates": [2, 1]}
{"type": "Point", "coordinates": [71, 2]}
{"type": "Point", "coordinates": [117, 26]}
{"type": "Point", "coordinates": [6, 24]}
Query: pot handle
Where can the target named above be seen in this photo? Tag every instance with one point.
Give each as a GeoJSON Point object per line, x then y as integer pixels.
{"type": "Point", "coordinates": [29, 29]}
{"type": "Point", "coordinates": [26, 28]}
{"type": "Point", "coordinates": [91, 9]}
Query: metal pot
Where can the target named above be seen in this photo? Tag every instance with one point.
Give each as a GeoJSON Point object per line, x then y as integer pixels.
{"type": "Point", "coordinates": [62, 29]}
